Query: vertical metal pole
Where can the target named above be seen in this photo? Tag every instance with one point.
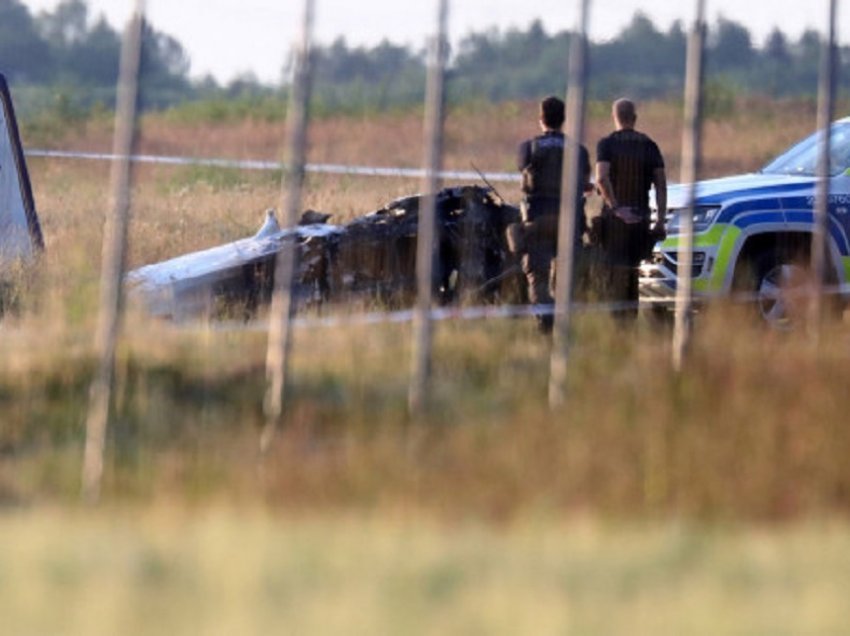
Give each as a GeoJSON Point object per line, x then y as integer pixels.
{"type": "Point", "coordinates": [691, 154]}
{"type": "Point", "coordinates": [434, 116]}
{"type": "Point", "coordinates": [114, 253]}
{"type": "Point", "coordinates": [570, 208]}
{"type": "Point", "coordinates": [283, 304]}
{"type": "Point", "coordinates": [826, 111]}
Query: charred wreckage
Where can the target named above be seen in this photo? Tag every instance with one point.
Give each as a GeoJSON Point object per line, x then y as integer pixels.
{"type": "Point", "coordinates": [372, 258]}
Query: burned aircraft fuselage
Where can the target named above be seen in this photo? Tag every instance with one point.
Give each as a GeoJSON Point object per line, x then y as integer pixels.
{"type": "Point", "coordinates": [372, 258]}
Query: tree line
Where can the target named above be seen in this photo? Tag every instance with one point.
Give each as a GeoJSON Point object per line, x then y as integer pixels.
{"type": "Point", "coordinates": [642, 61]}
{"type": "Point", "coordinates": [68, 47]}
{"type": "Point", "coordinates": [76, 53]}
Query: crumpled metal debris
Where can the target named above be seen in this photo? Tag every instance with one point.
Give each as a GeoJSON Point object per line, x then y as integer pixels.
{"type": "Point", "coordinates": [371, 258]}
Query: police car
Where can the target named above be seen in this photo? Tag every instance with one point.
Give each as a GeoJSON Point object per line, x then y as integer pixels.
{"type": "Point", "coordinates": [752, 233]}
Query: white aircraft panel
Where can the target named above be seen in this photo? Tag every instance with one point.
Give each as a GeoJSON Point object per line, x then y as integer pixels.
{"type": "Point", "coordinates": [19, 234]}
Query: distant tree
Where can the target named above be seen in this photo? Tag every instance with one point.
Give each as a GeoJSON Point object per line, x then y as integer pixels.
{"type": "Point", "coordinates": [536, 40]}
{"type": "Point", "coordinates": [206, 86]}
{"type": "Point", "coordinates": [163, 55]}
{"type": "Point", "coordinates": [640, 61]}
{"type": "Point", "coordinates": [498, 65]}
{"type": "Point", "coordinates": [776, 47]}
{"type": "Point", "coordinates": [244, 84]}
{"type": "Point", "coordinates": [164, 73]}
{"type": "Point", "coordinates": [806, 52]}
{"type": "Point", "coordinates": [66, 25]}
{"type": "Point", "coordinates": [24, 55]}
{"type": "Point", "coordinates": [808, 47]}
{"type": "Point", "coordinates": [366, 77]}
{"type": "Point", "coordinates": [634, 49]}
{"type": "Point", "coordinates": [479, 50]}
{"type": "Point", "coordinates": [640, 35]}
{"type": "Point", "coordinates": [95, 58]}
{"type": "Point", "coordinates": [731, 47]}
{"type": "Point", "coordinates": [387, 59]}
{"type": "Point", "coordinates": [81, 52]}
{"type": "Point", "coordinates": [776, 76]}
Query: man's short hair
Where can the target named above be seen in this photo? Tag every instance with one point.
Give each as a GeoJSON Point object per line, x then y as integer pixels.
{"type": "Point", "coordinates": [552, 112]}
{"type": "Point", "coordinates": [624, 110]}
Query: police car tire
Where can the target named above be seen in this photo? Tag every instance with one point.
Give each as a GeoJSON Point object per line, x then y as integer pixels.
{"type": "Point", "coordinates": [750, 280]}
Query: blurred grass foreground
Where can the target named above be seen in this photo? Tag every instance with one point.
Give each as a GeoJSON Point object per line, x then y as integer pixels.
{"type": "Point", "coordinates": [711, 503]}
{"type": "Point", "coordinates": [221, 573]}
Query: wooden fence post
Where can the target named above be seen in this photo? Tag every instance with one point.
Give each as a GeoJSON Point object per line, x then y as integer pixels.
{"type": "Point", "coordinates": [570, 208]}
{"type": "Point", "coordinates": [283, 303]}
{"type": "Point", "coordinates": [691, 155]}
{"type": "Point", "coordinates": [114, 255]}
{"type": "Point", "coordinates": [420, 379]}
{"type": "Point", "coordinates": [826, 112]}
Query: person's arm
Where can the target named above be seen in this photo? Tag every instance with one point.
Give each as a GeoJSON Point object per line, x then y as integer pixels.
{"type": "Point", "coordinates": [584, 159]}
{"type": "Point", "coordinates": [523, 159]}
{"type": "Point", "coordinates": [659, 180]}
{"type": "Point", "coordinates": [603, 182]}
{"type": "Point", "coordinates": [523, 156]}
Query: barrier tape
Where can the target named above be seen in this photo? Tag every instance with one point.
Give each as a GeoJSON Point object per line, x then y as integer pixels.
{"type": "Point", "coordinates": [440, 314]}
{"type": "Point", "coordinates": [260, 165]}
{"type": "Point", "coordinates": [488, 312]}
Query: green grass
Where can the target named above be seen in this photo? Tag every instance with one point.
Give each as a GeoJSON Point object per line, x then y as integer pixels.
{"type": "Point", "coordinates": [217, 110]}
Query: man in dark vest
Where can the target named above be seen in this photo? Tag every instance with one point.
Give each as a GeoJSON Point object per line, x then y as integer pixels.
{"type": "Point", "coordinates": [541, 161]}
{"type": "Point", "coordinates": [628, 164]}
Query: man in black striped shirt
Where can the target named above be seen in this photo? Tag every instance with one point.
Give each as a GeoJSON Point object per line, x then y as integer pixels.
{"type": "Point", "coordinates": [628, 164]}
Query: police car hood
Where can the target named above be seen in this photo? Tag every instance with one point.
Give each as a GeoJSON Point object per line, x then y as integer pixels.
{"type": "Point", "coordinates": [719, 191]}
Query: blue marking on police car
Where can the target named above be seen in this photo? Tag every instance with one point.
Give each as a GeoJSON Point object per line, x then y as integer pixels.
{"type": "Point", "coordinates": [745, 221]}
{"type": "Point", "coordinates": [727, 215]}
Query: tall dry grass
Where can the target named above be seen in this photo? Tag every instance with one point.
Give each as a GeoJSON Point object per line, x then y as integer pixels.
{"type": "Point", "coordinates": [741, 138]}
{"type": "Point", "coordinates": [755, 429]}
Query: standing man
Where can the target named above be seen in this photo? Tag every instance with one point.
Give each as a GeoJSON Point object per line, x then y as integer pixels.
{"type": "Point", "coordinates": [541, 161]}
{"type": "Point", "coordinates": [628, 163]}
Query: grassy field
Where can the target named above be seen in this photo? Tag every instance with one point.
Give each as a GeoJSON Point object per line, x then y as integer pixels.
{"type": "Point", "coordinates": [217, 573]}
{"type": "Point", "coordinates": [712, 502]}
{"type": "Point", "coordinates": [754, 431]}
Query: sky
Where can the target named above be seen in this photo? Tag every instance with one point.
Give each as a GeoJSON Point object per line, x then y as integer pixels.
{"type": "Point", "coordinates": [230, 37]}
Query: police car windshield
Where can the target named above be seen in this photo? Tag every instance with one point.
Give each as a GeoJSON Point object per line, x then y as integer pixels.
{"type": "Point", "coordinates": [802, 159]}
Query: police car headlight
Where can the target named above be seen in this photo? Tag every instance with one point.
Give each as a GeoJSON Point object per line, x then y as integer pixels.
{"type": "Point", "coordinates": [704, 216]}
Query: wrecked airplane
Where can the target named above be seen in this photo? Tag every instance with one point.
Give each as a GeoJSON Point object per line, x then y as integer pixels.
{"type": "Point", "coordinates": [371, 258]}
